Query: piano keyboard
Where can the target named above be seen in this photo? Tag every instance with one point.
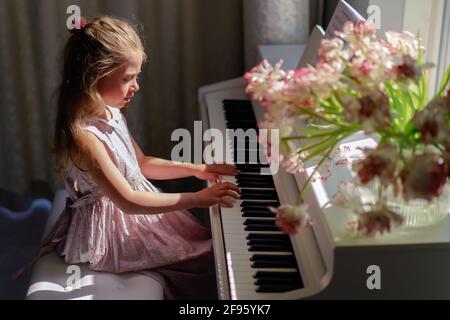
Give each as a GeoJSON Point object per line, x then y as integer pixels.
{"type": "Point", "coordinates": [260, 258]}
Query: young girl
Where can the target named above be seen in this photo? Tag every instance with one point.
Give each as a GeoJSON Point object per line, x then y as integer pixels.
{"type": "Point", "coordinates": [115, 219]}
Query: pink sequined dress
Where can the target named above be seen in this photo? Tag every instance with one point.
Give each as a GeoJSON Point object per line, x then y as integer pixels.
{"type": "Point", "coordinates": [174, 248]}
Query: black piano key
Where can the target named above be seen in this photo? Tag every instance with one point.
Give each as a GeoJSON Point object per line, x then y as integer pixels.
{"type": "Point", "coordinates": [231, 107]}
{"type": "Point", "coordinates": [257, 210]}
{"type": "Point", "coordinates": [263, 204]}
{"type": "Point", "coordinates": [244, 176]}
{"type": "Point", "coordinates": [241, 146]}
{"type": "Point", "coordinates": [244, 127]}
{"type": "Point", "coordinates": [276, 288]}
{"type": "Point", "coordinates": [265, 207]}
{"type": "Point", "coordinates": [269, 193]}
{"type": "Point", "coordinates": [249, 166]}
{"type": "Point", "coordinates": [250, 214]}
{"type": "Point", "coordinates": [281, 281]}
{"type": "Point", "coordinates": [236, 102]}
{"type": "Point", "coordinates": [292, 275]}
{"type": "Point", "coordinates": [254, 236]}
{"type": "Point", "coordinates": [237, 118]}
{"type": "Point", "coordinates": [270, 248]}
{"type": "Point", "coordinates": [243, 123]}
{"type": "Point", "coordinates": [250, 207]}
{"type": "Point", "coordinates": [254, 169]}
{"type": "Point", "coordinates": [263, 222]}
{"type": "Point", "coordinates": [243, 119]}
{"type": "Point", "coordinates": [246, 158]}
{"type": "Point", "coordinates": [256, 196]}
{"type": "Point", "coordinates": [274, 257]}
{"type": "Point", "coordinates": [256, 183]}
{"type": "Point", "coordinates": [284, 241]}
{"type": "Point", "coordinates": [274, 263]}
{"type": "Point", "coordinates": [253, 184]}
{"type": "Point", "coordinates": [239, 114]}
{"type": "Point", "coordinates": [259, 227]}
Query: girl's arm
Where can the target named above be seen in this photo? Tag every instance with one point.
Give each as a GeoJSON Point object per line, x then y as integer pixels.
{"type": "Point", "coordinates": [103, 171]}
{"type": "Point", "coordinates": [157, 168]}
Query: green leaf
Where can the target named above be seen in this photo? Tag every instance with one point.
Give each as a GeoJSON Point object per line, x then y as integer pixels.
{"type": "Point", "coordinates": [444, 82]}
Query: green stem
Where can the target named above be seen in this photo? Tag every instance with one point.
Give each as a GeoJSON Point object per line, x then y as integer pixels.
{"type": "Point", "coordinates": [315, 144]}
{"type": "Point", "coordinates": [312, 136]}
{"type": "Point", "coordinates": [305, 185]}
{"type": "Point", "coordinates": [315, 115]}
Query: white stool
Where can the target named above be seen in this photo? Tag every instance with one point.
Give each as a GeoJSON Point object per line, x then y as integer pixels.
{"type": "Point", "coordinates": [53, 279]}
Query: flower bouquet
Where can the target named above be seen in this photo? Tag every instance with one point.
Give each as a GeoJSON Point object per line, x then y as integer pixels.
{"type": "Point", "coordinates": [360, 83]}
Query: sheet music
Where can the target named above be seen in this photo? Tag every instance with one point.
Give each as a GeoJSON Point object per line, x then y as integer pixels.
{"type": "Point", "coordinates": [309, 56]}
{"type": "Point", "coordinates": [343, 13]}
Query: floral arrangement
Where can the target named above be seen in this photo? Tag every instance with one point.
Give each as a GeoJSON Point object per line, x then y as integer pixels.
{"type": "Point", "coordinates": [360, 82]}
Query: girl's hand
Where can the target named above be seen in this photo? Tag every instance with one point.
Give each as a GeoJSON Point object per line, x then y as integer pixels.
{"type": "Point", "coordinates": [214, 171]}
{"type": "Point", "coordinates": [217, 194]}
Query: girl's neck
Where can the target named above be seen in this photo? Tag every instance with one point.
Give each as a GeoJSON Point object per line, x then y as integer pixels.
{"type": "Point", "coordinates": [107, 115]}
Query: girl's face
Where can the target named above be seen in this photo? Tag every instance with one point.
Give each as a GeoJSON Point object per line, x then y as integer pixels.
{"type": "Point", "coordinates": [118, 88]}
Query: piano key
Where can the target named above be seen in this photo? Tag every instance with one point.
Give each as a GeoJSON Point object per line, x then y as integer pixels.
{"type": "Point", "coordinates": [273, 261]}
{"type": "Point", "coordinates": [276, 288]}
{"type": "Point", "coordinates": [227, 102]}
{"type": "Point", "coordinates": [279, 237]}
{"type": "Point", "coordinates": [257, 210]}
{"type": "Point", "coordinates": [254, 177]}
{"type": "Point", "coordinates": [262, 209]}
{"type": "Point", "coordinates": [260, 221]}
{"type": "Point", "coordinates": [282, 281]}
{"type": "Point", "coordinates": [256, 196]}
{"type": "Point", "coordinates": [279, 274]}
{"type": "Point", "coordinates": [258, 227]}
{"type": "Point", "coordinates": [264, 237]}
{"type": "Point", "coordinates": [270, 247]}
{"type": "Point", "coordinates": [262, 203]}
{"type": "Point", "coordinates": [251, 214]}
{"type": "Point", "coordinates": [268, 241]}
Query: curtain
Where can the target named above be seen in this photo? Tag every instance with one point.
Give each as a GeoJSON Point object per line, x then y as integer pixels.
{"type": "Point", "coordinates": [190, 43]}
{"type": "Point", "coordinates": [274, 22]}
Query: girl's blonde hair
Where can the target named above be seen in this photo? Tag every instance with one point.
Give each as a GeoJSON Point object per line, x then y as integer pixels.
{"type": "Point", "coordinates": [91, 53]}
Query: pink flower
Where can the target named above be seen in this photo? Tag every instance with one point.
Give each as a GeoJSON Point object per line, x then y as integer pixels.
{"type": "Point", "coordinates": [380, 162]}
{"type": "Point", "coordinates": [432, 121]}
{"type": "Point", "coordinates": [294, 163]}
{"type": "Point", "coordinates": [289, 218]}
{"type": "Point", "coordinates": [379, 219]}
{"type": "Point", "coordinates": [371, 111]}
{"type": "Point", "coordinates": [405, 43]}
{"type": "Point", "coordinates": [266, 83]}
{"type": "Point", "coordinates": [347, 196]}
{"type": "Point", "coordinates": [424, 177]}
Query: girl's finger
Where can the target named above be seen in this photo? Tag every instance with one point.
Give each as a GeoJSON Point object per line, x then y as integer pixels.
{"type": "Point", "coordinates": [233, 187]}
{"type": "Point", "coordinates": [229, 193]}
{"type": "Point", "coordinates": [226, 204]}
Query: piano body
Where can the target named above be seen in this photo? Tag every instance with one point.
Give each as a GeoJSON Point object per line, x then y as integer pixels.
{"type": "Point", "coordinates": [254, 260]}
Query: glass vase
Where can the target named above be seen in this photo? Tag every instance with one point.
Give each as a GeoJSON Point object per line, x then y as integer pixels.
{"type": "Point", "coordinates": [419, 212]}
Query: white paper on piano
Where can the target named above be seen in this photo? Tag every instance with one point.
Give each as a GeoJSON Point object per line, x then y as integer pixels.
{"type": "Point", "coordinates": [309, 56]}
{"type": "Point", "coordinates": [343, 13]}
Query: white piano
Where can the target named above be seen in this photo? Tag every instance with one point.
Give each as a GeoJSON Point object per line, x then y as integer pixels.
{"type": "Point", "coordinates": [254, 260]}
